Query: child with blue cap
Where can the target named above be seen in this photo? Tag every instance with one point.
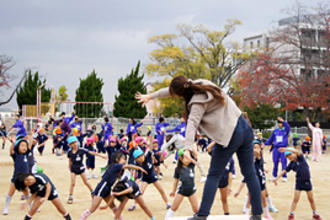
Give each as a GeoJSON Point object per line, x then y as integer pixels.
{"type": "Point", "coordinates": [303, 179]}
{"type": "Point", "coordinates": [145, 160]}
{"type": "Point", "coordinates": [76, 166]}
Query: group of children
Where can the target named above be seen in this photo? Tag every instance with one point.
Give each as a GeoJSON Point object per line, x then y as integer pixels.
{"type": "Point", "coordinates": [133, 163]}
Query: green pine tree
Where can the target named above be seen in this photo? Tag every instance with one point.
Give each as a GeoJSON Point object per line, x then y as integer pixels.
{"type": "Point", "coordinates": [27, 93]}
{"type": "Point", "coordinates": [126, 105]}
{"type": "Point", "coordinates": [89, 90]}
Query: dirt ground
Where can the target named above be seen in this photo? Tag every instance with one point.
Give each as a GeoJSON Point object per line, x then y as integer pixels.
{"type": "Point", "coordinates": [57, 169]}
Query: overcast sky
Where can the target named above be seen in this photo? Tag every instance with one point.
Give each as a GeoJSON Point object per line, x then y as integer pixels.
{"type": "Point", "coordinates": [66, 39]}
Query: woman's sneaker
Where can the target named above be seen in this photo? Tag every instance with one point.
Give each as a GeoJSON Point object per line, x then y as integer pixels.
{"type": "Point", "coordinates": [291, 217]}
{"type": "Point", "coordinates": [316, 217]}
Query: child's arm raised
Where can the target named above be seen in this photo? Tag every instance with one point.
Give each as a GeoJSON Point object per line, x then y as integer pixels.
{"type": "Point", "coordinates": [175, 186]}
{"type": "Point", "coordinates": [283, 149]}
{"type": "Point", "coordinates": [130, 166]}
{"type": "Point", "coordinates": [11, 149]}
{"type": "Point", "coordinates": [98, 154]}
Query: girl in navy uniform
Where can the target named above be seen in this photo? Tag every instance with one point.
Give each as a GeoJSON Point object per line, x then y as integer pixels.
{"type": "Point", "coordinates": [103, 188]}
{"type": "Point", "coordinates": [184, 172]}
{"type": "Point", "coordinates": [124, 190]}
{"type": "Point", "coordinates": [259, 166]}
{"type": "Point", "coordinates": [42, 138]}
{"type": "Point", "coordinates": [124, 145]}
{"type": "Point", "coordinates": [19, 151]}
{"type": "Point", "coordinates": [303, 179]}
{"type": "Point", "coordinates": [3, 134]}
{"type": "Point", "coordinates": [146, 161]}
{"type": "Point", "coordinates": [42, 189]}
{"type": "Point", "coordinates": [111, 148]}
{"type": "Point", "coordinates": [306, 146]}
{"type": "Point", "coordinates": [76, 166]}
{"type": "Point", "coordinates": [90, 159]}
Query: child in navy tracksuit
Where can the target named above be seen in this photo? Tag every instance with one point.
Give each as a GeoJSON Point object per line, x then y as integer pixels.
{"type": "Point", "coordinates": [146, 161]}
{"type": "Point", "coordinates": [76, 166]}
{"type": "Point", "coordinates": [279, 138]}
{"type": "Point", "coordinates": [41, 138]}
{"type": "Point", "coordinates": [3, 134]}
{"type": "Point", "coordinates": [324, 144]}
{"type": "Point", "coordinates": [124, 190]}
{"type": "Point", "coordinates": [306, 146]}
{"type": "Point", "coordinates": [259, 166]}
{"type": "Point", "coordinates": [19, 152]}
{"type": "Point", "coordinates": [41, 188]}
{"type": "Point", "coordinates": [303, 179]}
{"type": "Point", "coordinates": [90, 159]}
{"type": "Point", "coordinates": [103, 188]}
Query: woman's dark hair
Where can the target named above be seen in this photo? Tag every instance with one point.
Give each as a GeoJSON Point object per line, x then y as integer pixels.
{"type": "Point", "coordinates": [106, 119]}
{"type": "Point", "coordinates": [161, 119]}
{"type": "Point", "coordinates": [168, 138]}
{"type": "Point", "coordinates": [133, 121]}
{"type": "Point", "coordinates": [185, 88]}
{"type": "Point", "coordinates": [19, 181]}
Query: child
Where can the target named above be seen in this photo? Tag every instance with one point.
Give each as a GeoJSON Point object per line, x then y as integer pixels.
{"type": "Point", "coordinates": [184, 172]}
{"type": "Point", "coordinates": [124, 190]}
{"type": "Point", "coordinates": [107, 128]}
{"type": "Point", "coordinates": [76, 166]}
{"type": "Point", "coordinates": [123, 145]}
{"type": "Point", "coordinates": [295, 140]}
{"type": "Point", "coordinates": [20, 126]}
{"type": "Point", "coordinates": [306, 147]}
{"type": "Point", "coordinates": [41, 189]}
{"type": "Point", "coordinates": [18, 151]}
{"type": "Point", "coordinates": [42, 138]}
{"type": "Point", "coordinates": [90, 159]}
{"type": "Point", "coordinates": [157, 157]}
{"type": "Point", "coordinates": [324, 144]}
{"type": "Point", "coordinates": [103, 188]}
{"type": "Point", "coordinates": [3, 134]}
{"type": "Point", "coordinates": [303, 179]}
{"type": "Point", "coordinates": [111, 148]}
{"type": "Point", "coordinates": [146, 162]}
{"type": "Point", "coordinates": [160, 131]}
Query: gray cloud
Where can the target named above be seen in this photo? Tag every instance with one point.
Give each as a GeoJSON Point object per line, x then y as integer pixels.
{"type": "Point", "coordinates": [65, 40]}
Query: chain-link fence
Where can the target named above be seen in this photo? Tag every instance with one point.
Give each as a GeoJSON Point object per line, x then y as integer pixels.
{"type": "Point", "coordinates": [121, 123]}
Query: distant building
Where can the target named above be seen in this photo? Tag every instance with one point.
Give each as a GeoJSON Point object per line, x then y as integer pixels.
{"type": "Point", "coordinates": [256, 41]}
{"type": "Point", "coordinates": [7, 113]}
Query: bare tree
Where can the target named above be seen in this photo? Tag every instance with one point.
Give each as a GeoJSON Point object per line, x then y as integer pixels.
{"type": "Point", "coordinates": [6, 63]}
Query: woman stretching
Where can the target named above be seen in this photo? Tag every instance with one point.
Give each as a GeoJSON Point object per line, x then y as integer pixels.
{"type": "Point", "coordinates": [209, 108]}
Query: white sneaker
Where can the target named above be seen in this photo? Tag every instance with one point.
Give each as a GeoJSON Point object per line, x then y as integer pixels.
{"type": "Point", "coordinates": [88, 177]}
{"type": "Point", "coordinates": [284, 179]}
{"type": "Point", "coordinates": [244, 210]}
{"type": "Point", "coordinates": [174, 161]}
{"type": "Point", "coordinates": [233, 176]}
{"type": "Point", "coordinates": [5, 211]}
{"type": "Point", "coordinates": [203, 179]}
{"type": "Point", "coordinates": [272, 178]}
{"type": "Point", "coordinates": [273, 209]}
{"type": "Point", "coordinates": [94, 176]}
